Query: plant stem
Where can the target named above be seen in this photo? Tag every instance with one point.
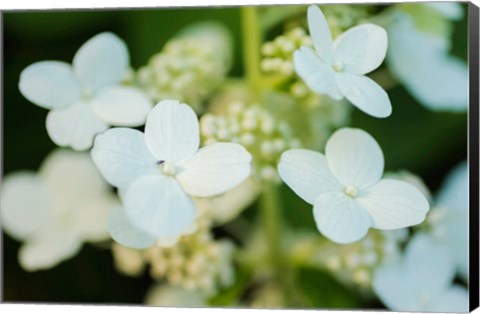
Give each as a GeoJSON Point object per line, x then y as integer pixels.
{"type": "Point", "coordinates": [271, 222]}
{"type": "Point", "coordinates": [251, 48]}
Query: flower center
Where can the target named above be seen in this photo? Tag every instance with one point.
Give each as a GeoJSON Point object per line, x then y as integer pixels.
{"type": "Point", "coordinates": [338, 66]}
{"type": "Point", "coordinates": [86, 94]}
{"type": "Point", "coordinates": [167, 168]}
{"type": "Point", "coordinates": [350, 191]}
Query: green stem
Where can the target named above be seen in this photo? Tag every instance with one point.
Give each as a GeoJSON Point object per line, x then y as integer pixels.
{"type": "Point", "coordinates": [251, 48]}
{"type": "Point", "coordinates": [271, 222]}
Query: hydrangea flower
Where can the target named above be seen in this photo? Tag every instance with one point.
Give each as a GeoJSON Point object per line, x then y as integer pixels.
{"type": "Point", "coordinates": [161, 169]}
{"type": "Point", "coordinates": [346, 188]}
{"type": "Point", "coordinates": [421, 60]}
{"type": "Point", "coordinates": [337, 68]}
{"type": "Point", "coordinates": [421, 281]}
{"type": "Point", "coordinates": [85, 98]}
{"type": "Point", "coordinates": [450, 218]}
{"type": "Point", "coordinates": [55, 210]}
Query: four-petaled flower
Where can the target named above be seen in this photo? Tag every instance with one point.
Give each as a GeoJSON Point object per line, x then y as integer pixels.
{"type": "Point", "coordinates": [55, 210]}
{"type": "Point", "coordinates": [421, 281]}
{"type": "Point", "coordinates": [338, 68]}
{"type": "Point", "coordinates": [346, 188]}
{"type": "Point", "coordinates": [85, 97]}
{"type": "Point", "coordinates": [161, 169]}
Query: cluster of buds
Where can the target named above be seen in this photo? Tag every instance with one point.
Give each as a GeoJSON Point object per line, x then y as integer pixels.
{"type": "Point", "coordinates": [322, 115]}
{"type": "Point", "coordinates": [197, 262]}
{"type": "Point", "coordinates": [189, 67]}
{"type": "Point", "coordinates": [257, 130]}
{"type": "Point", "coordinates": [356, 262]}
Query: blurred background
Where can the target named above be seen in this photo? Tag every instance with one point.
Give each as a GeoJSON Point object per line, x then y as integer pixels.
{"type": "Point", "coordinates": [425, 142]}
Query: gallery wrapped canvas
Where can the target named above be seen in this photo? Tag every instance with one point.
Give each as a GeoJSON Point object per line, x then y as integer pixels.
{"type": "Point", "coordinates": [319, 156]}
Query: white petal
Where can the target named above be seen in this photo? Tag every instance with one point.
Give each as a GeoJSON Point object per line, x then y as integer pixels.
{"type": "Point", "coordinates": [394, 204]}
{"type": "Point", "coordinates": [320, 33]}
{"type": "Point", "coordinates": [122, 155]}
{"type": "Point", "coordinates": [156, 204]}
{"type": "Point", "coordinates": [91, 217]}
{"type": "Point", "coordinates": [365, 94]}
{"type": "Point", "coordinates": [48, 250]}
{"type": "Point", "coordinates": [75, 126]}
{"type": "Point", "coordinates": [306, 172]}
{"type": "Point", "coordinates": [24, 204]}
{"type": "Point", "coordinates": [72, 177]}
{"type": "Point", "coordinates": [394, 290]}
{"type": "Point", "coordinates": [428, 265]}
{"type": "Point", "coordinates": [49, 84]}
{"type": "Point", "coordinates": [172, 132]}
{"type": "Point", "coordinates": [422, 63]}
{"type": "Point", "coordinates": [122, 231]}
{"type": "Point", "coordinates": [340, 218]}
{"type": "Point", "coordinates": [355, 158]}
{"type": "Point", "coordinates": [125, 106]}
{"type": "Point", "coordinates": [453, 194]}
{"type": "Point", "coordinates": [318, 76]}
{"type": "Point", "coordinates": [450, 10]}
{"type": "Point", "coordinates": [361, 49]}
{"type": "Point", "coordinates": [455, 299]}
{"type": "Point", "coordinates": [215, 169]}
{"type": "Point", "coordinates": [102, 61]}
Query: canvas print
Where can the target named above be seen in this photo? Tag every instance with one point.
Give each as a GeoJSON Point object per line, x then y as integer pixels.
{"type": "Point", "coordinates": [289, 156]}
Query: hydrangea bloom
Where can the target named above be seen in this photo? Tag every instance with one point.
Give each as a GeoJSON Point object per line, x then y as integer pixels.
{"type": "Point", "coordinates": [421, 61]}
{"type": "Point", "coordinates": [449, 227]}
{"type": "Point", "coordinates": [161, 169]}
{"type": "Point", "coordinates": [85, 97]}
{"type": "Point", "coordinates": [55, 210]}
{"type": "Point", "coordinates": [346, 188]}
{"type": "Point", "coordinates": [338, 68]}
{"type": "Point", "coordinates": [422, 281]}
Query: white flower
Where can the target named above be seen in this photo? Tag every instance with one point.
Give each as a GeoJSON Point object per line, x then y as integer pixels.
{"type": "Point", "coordinates": [422, 281]}
{"type": "Point", "coordinates": [346, 188]}
{"type": "Point", "coordinates": [85, 97]}
{"type": "Point", "coordinates": [450, 10]}
{"type": "Point", "coordinates": [338, 68]}
{"type": "Point", "coordinates": [451, 227]}
{"type": "Point", "coordinates": [421, 61]}
{"type": "Point", "coordinates": [162, 169]}
{"type": "Point", "coordinates": [55, 210]}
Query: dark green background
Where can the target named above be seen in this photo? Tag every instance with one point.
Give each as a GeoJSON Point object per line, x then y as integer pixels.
{"type": "Point", "coordinates": [413, 138]}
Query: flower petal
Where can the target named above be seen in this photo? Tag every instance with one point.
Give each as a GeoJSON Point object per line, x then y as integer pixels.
{"type": "Point", "coordinates": [340, 218]}
{"type": "Point", "coordinates": [24, 203]}
{"type": "Point", "coordinates": [102, 61]}
{"type": "Point", "coordinates": [453, 300]}
{"type": "Point", "coordinates": [394, 204]}
{"type": "Point", "coordinates": [320, 33]}
{"type": "Point", "coordinates": [122, 156]}
{"type": "Point", "coordinates": [172, 131]}
{"type": "Point", "coordinates": [91, 217]}
{"type": "Point", "coordinates": [428, 265]}
{"type": "Point", "coordinates": [75, 126]}
{"type": "Point", "coordinates": [361, 49]}
{"type": "Point", "coordinates": [365, 94]}
{"type": "Point", "coordinates": [354, 157]}
{"type": "Point", "coordinates": [122, 231]}
{"type": "Point", "coordinates": [453, 194]}
{"type": "Point", "coordinates": [72, 177]}
{"type": "Point", "coordinates": [450, 10]}
{"type": "Point", "coordinates": [306, 172]}
{"type": "Point", "coordinates": [48, 250]}
{"type": "Point", "coordinates": [422, 63]}
{"type": "Point", "coordinates": [318, 76]}
{"type": "Point", "coordinates": [156, 204]}
{"type": "Point", "coordinates": [125, 106]}
{"type": "Point", "coordinates": [215, 169]}
{"type": "Point", "coordinates": [49, 84]}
